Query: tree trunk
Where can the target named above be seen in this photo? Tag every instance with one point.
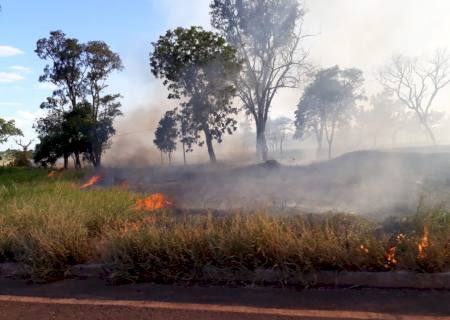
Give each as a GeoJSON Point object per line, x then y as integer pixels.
{"type": "Point", "coordinates": [261, 144]}
{"type": "Point", "coordinates": [319, 137]}
{"type": "Point", "coordinates": [97, 160]}
{"type": "Point", "coordinates": [77, 161]}
{"type": "Point", "coordinates": [208, 138]}
{"type": "Point", "coordinates": [170, 159]}
{"type": "Point", "coordinates": [66, 161]}
{"type": "Point", "coordinates": [330, 145]}
{"type": "Point", "coordinates": [429, 131]}
{"type": "Point", "coordinates": [184, 154]}
{"type": "Point", "coordinates": [162, 161]}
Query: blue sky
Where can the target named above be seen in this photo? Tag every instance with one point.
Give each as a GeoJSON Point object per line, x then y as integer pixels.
{"type": "Point", "coordinates": [128, 27]}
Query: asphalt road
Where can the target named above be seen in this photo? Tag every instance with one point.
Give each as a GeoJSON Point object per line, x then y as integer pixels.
{"type": "Point", "coordinates": [92, 299]}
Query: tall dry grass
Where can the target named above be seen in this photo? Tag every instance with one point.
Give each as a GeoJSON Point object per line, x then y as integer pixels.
{"type": "Point", "coordinates": [49, 224]}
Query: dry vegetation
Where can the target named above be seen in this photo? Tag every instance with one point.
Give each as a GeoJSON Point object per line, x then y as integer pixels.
{"type": "Point", "coordinates": [48, 224]}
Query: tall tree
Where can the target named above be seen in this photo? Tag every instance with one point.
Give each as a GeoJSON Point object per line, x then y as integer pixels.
{"type": "Point", "coordinates": [101, 62]}
{"type": "Point", "coordinates": [201, 67]}
{"type": "Point", "coordinates": [8, 129]}
{"type": "Point", "coordinates": [268, 37]}
{"type": "Point", "coordinates": [327, 103]}
{"type": "Point", "coordinates": [166, 134]}
{"type": "Point", "coordinates": [66, 71]}
{"type": "Point", "coordinates": [79, 72]}
{"type": "Point", "coordinates": [416, 83]}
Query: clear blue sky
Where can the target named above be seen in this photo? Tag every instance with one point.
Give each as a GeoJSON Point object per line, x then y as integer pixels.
{"type": "Point", "coordinates": [128, 27]}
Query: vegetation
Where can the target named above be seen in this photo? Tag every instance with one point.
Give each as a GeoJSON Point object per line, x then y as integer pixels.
{"type": "Point", "coordinates": [328, 103]}
{"type": "Point", "coordinates": [166, 134]}
{"type": "Point", "coordinates": [200, 66]}
{"type": "Point", "coordinates": [8, 129]}
{"type": "Point", "coordinates": [49, 224]}
{"type": "Point", "coordinates": [416, 84]}
{"type": "Point", "coordinates": [81, 114]}
{"type": "Point", "coordinates": [267, 35]}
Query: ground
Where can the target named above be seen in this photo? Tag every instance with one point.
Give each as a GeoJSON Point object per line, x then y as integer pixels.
{"type": "Point", "coordinates": [92, 299]}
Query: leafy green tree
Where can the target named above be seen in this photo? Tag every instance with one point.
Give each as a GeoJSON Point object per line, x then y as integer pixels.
{"type": "Point", "coordinates": [268, 37]}
{"type": "Point", "coordinates": [201, 67]}
{"type": "Point", "coordinates": [62, 133]}
{"type": "Point", "coordinates": [327, 103]}
{"type": "Point", "coordinates": [101, 62]}
{"type": "Point", "coordinates": [166, 134]}
{"type": "Point", "coordinates": [80, 71]}
{"type": "Point", "coordinates": [8, 129]}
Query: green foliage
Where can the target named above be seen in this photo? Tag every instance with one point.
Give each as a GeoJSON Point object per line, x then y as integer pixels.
{"type": "Point", "coordinates": [8, 129]}
{"type": "Point", "coordinates": [80, 72]}
{"type": "Point", "coordinates": [200, 66]}
{"type": "Point", "coordinates": [166, 133]}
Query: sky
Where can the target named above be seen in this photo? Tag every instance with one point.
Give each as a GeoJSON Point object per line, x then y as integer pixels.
{"type": "Point", "coordinates": [350, 33]}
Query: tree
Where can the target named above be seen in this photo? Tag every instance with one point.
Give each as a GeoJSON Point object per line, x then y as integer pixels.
{"type": "Point", "coordinates": [327, 103]}
{"type": "Point", "coordinates": [62, 133]}
{"type": "Point", "coordinates": [277, 131]}
{"type": "Point", "coordinates": [8, 129]}
{"type": "Point", "coordinates": [267, 35]}
{"type": "Point", "coordinates": [416, 83]}
{"type": "Point", "coordinates": [384, 120]}
{"type": "Point", "coordinates": [166, 135]}
{"type": "Point", "coordinates": [21, 158]}
{"type": "Point", "coordinates": [101, 62]}
{"type": "Point", "coordinates": [80, 71]}
{"type": "Point", "coordinates": [201, 67]}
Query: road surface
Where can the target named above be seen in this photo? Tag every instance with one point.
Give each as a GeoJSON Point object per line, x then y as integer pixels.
{"type": "Point", "coordinates": [92, 299]}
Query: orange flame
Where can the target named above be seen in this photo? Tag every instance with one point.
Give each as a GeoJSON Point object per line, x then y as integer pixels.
{"type": "Point", "coordinates": [93, 180]}
{"type": "Point", "coordinates": [52, 174]}
{"type": "Point", "coordinates": [390, 255]}
{"type": "Point", "coordinates": [153, 202]}
{"type": "Point", "coordinates": [423, 244]}
{"type": "Point", "coordinates": [364, 248]}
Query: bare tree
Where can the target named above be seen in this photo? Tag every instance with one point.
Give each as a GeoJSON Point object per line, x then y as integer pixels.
{"type": "Point", "coordinates": [416, 83]}
{"type": "Point", "coordinates": [24, 146]}
{"type": "Point", "coordinates": [268, 37]}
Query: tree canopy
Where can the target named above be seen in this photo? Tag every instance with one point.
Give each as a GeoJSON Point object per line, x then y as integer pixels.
{"type": "Point", "coordinates": [327, 103]}
{"type": "Point", "coordinates": [199, 67]}
{"type": "Point", "coordinates": [166, 134]}
{"type": "Point", "coordinates": [268, 37]}
{"type": "Point", "coordinates": [8, 129]}
{"type": "Point", "coordinates": [80, 72]}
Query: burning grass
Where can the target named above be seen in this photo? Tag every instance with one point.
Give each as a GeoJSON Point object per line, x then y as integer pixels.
{"type": "Point", "coordinates": [49, 225]}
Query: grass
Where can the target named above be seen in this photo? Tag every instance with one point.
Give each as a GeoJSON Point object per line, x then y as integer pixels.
{"type": "Point", "coordinates": [49, 224]}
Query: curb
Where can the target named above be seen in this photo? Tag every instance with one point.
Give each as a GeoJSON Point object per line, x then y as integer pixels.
{"type": "Point", "coordinates": [390, 279]}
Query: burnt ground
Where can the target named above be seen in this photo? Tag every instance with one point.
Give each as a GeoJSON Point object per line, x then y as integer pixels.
{"type": "Point", "coordinates": [367, 182]}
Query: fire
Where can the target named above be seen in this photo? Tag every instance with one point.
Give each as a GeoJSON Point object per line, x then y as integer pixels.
{"type": "Point", "coordinates": [153, 202]}
{"type": "Point", "coordinates": [364, 248]}
{"type": "Point", "coordinates": [423, 244]}
{"type": "Point", "coordinates": [390, 255]}
{"type": "Point", "coordinates": [52, 174]}
{"type": "Point", "coordinates": [391, 252]}
{"type": "Point", "coordinates": [93, 180]}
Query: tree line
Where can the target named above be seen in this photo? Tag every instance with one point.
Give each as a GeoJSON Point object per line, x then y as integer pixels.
{"type": "Point", "coordinates": [256, 49]}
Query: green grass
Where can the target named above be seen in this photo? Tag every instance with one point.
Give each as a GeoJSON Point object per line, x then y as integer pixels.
{"type": "Point", "coordinates": [49, 224]}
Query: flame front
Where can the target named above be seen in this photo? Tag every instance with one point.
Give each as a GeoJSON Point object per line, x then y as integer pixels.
{"type": "Point", "coordinates": [93, 180]}
{"type": "Point", "coordinates": [153, 202]}
{"type": "Point", "coordinates": [423, 244]}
